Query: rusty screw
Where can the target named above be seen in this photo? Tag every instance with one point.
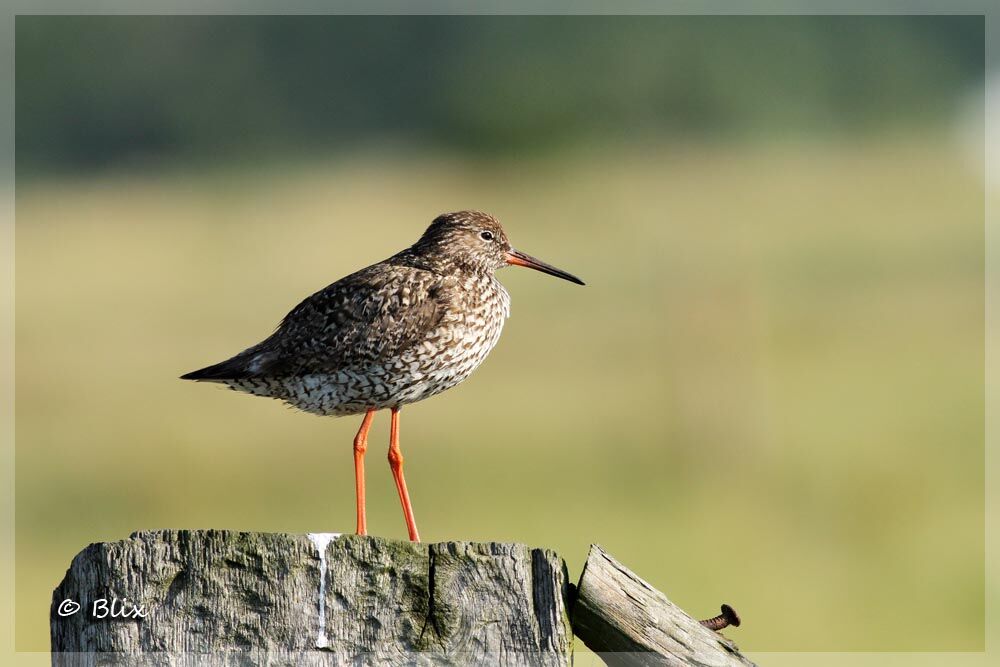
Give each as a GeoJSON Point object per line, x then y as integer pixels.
{"type": "Point", "coordinates": [724, 620]}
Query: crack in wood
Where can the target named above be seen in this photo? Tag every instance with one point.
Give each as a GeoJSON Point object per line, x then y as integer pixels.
{"type": "Point", "coordinates": [431, 617]}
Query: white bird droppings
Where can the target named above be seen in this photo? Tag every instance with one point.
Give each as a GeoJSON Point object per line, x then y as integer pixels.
{"type": "Point", "coordinates": [322, 541]}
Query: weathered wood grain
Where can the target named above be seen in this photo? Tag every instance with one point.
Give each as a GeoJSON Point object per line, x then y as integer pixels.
{"type": "Point", "coordinates": [228, 598]}
{"type": "Point", "coordinates": [628, 622]}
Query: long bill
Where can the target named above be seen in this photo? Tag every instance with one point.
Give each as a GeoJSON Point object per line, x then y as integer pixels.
{"type": "Point", "coordinates": [518, 258]}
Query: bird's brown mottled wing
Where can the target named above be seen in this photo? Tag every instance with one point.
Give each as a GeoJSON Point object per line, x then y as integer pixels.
{"type": "Point", "coordinates": [364, 318]}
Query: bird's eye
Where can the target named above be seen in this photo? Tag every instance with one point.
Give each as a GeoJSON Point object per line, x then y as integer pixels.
{"type": "Point", "coordinates": [486, 236]}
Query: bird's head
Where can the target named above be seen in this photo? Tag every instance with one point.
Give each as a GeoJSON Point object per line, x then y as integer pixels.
{"type": "Point", "coordinates": [475, 241]}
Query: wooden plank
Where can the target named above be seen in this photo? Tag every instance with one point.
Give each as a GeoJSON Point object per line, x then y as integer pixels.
{"type": "Point", "coordinates": [628, 622]}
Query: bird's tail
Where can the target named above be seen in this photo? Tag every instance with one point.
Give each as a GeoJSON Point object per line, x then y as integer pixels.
{"type": "Point", "coordinates": [230, 369]}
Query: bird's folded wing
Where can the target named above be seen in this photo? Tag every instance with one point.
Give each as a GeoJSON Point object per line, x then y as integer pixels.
{"type": "Point", "coordinates": [366, 318]}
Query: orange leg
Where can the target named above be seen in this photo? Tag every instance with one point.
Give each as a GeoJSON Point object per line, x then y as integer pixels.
{"type": "Point", "coordinates": [360, 445]}
{"type": "Point", "coordinates": [396, 463]}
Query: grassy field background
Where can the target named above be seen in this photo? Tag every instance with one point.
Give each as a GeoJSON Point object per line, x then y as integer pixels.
{"type": "Point", "coordinates": [770, 393]}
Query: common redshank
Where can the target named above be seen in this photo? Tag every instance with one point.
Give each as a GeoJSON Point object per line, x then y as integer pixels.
{"type": "Point", "coordinates": [390, 334]}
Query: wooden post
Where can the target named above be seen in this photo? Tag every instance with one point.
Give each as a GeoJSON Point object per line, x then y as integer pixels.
{"type": "Point", "coordinates": [171, 597]}
{"type": "Point", "coordinates": [628, 622]}
{"type": "Point", "coordinates": [211, 597]}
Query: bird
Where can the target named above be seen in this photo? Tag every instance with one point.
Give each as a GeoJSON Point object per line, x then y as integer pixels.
{"type": "Point", "coordinates": [393, 333]}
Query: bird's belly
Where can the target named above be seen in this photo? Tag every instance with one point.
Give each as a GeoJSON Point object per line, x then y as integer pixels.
{"type": "Point", "coordinates": [434, 366]}
{"type": "Point", "coordinates": [424, 376]}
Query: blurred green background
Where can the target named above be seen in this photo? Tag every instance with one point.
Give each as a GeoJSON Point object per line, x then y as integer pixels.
{"type": "Point", "coordinates": [770, 393]}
